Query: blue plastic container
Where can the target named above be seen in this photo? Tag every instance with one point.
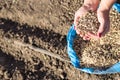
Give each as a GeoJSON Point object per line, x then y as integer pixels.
{"type": "Point", "coordinates": [116, 6]}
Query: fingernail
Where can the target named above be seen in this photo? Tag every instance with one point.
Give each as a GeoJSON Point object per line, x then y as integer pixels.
{"type": "Point", "coordinates": [100, 34]}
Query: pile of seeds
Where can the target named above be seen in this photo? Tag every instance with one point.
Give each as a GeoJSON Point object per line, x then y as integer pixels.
{"type": "Point", "coordinates": [88, 23]}
{"type": "Point", "coordinates": [96, 54]}
{"type": "Point", "coordinates": [103, 52]}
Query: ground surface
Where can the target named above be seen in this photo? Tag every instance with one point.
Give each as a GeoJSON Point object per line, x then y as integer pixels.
{"type": "Point", "coordinates": [44, 24]}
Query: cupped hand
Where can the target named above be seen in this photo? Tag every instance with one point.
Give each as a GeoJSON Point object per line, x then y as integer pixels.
{"type": "Point", "coordinates": [89, 5]}
{"type": "Point", "coordinates": [79, 13]}
{"type": "Point", "coordinates": [103, 18]}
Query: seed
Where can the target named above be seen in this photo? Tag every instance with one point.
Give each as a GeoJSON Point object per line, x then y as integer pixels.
{"type": "Point", "coordinates": [102, 52]}
{"type": "Point", "coordinates": [88, 23]}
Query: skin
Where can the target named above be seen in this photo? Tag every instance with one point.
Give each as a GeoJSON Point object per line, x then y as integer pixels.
{"type": "Point", "coordinates": [102, 15]}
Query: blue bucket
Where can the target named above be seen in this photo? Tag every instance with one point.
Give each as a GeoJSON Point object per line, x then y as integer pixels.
{"type": "Point", "coordinates": [116, 6]}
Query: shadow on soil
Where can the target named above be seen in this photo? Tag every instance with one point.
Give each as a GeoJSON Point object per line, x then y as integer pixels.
{"type": "Point", "coordinates": [11, 66]}
{"type": "Point", "coordinates": [41, 72]}
{"type": "Point", "coordinates": [48, 36]}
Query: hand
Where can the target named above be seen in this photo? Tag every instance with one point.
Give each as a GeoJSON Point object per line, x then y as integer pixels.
{"type": "Point", "coordinates": [82, 11]}
{"type": "Point", "coordinates": [79, 13]}
{"type": "Point", "coordinates": [102, 14]}
{"type": "Point", "coordinates": [87, 6]}
{"type": "Point", "coordinates": [103, 18]}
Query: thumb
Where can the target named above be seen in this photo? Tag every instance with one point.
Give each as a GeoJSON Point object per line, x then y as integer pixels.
{"type": "Point", "coordinates": [104, 27]}
{"type": "Point", "coordinates": [100, 30]}
{"type": "Point", "coordinates": [103, 18]}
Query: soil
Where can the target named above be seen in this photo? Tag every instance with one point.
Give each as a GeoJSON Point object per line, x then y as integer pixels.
{"type": "Point", "coordinates": [43, 24]}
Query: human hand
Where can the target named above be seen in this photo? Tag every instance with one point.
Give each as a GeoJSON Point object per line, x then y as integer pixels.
{"type": "Point", "coordinates": [79, 13]}
{"type": "Point", "coordinates": [102, 14]}
{"type": "Point", "coordinates": [103, 18]}
{"type": "Point", "coordinates": [89, 5]}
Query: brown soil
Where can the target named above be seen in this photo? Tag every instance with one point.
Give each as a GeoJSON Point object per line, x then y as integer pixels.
{"type": "Point", "coordinates": [43, 24]}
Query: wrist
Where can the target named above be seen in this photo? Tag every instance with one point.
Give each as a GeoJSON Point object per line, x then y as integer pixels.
{"type": "Point", "coordinates": [92, 4]}
{"type": "Point", "coordinates": [87, 7]}
{"type": "Point", "coordinates": [103, 16]}
{"type": "Point", "coordinates": [106, 5]}
{"type": "Point", "coordinates": [104, 11]}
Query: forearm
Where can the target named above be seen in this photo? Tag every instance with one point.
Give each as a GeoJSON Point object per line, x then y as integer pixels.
{"type": "Point", "coordinates": [105, 5]}
{"type": "Point", "coordinates": [91, 4]}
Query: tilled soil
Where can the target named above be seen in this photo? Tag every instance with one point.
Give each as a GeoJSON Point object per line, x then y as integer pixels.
{"type": "Point", "coordinates": [43, 24]}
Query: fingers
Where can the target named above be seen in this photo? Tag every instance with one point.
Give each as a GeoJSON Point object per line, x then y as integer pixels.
{"type": "Point", "coordinates": [79, 13]}
{"type": "Point", "coordinates": [77, 17]}
{"type": "Point", "coordinates": [103, 30]}
{"type": "Point", "coordinates": [86, 37]}
{"type": "Point", "coordinates": [103, 18]}
{"type": "Point", "coordinates": [93, 36]}
{"type": "Point", "coordinates": [104, 27]}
